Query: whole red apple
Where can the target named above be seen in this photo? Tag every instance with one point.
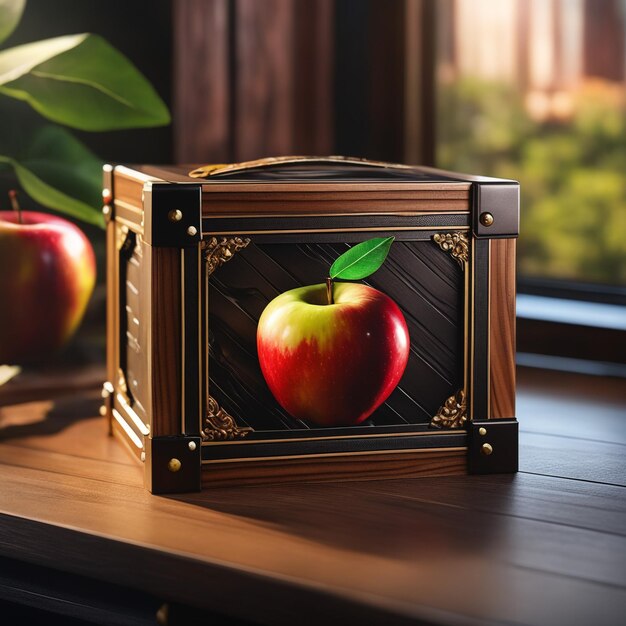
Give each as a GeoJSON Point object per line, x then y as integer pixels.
{"type": "Point", "coordinates": [332, 364]}
{"type": "Point", "coordinates": [47, 273]}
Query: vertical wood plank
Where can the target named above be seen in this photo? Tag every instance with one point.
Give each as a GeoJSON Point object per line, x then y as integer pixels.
{"type": "Point", "coordinates": [502, 328]}
{"type": "Point", "coordinates": [313, 81]}
{"type": "Point", "coordinates": [420, 79]}
{"type": "Point", "coordinates": [263, 90]}
{"type": "Point", "coordinates": [202, 89]}
{"type": "Point", "coordinates": [373, 40]}
{"type": "Point", "coordinates": [163, 278]}
{"type": "Point", "coordinates": [386, 71]}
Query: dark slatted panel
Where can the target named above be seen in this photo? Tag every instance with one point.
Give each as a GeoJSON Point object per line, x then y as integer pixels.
{"type": "Point", "coordinates": [425, 282]}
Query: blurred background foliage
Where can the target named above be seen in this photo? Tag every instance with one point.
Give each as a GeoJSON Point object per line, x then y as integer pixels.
{"type": "Point", "coordinates": [535, 90]}
{"type": "Point", "coordinates": [572, 172]}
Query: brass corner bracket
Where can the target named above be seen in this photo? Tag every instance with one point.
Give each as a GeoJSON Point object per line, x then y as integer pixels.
{"type": "Point", "coordinates": [220, 251]}
{"type": "Point", "coordinates": [456, 244]}
{"type": "Point", "coordinates": [219, 425]}
{"type": "Point", "coordinates": [453, 412]}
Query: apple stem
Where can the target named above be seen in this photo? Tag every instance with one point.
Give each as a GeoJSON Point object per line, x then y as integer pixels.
{"type": "Point", "coordinates": [329, 290]}
{"type": "Point", "coordinates": [15, 205]}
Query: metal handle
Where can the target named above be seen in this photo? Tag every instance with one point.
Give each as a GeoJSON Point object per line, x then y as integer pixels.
{"type": "Point", "coordinates": [213, 170]}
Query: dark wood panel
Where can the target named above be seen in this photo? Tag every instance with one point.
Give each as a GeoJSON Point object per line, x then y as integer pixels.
{"type": "Point", "coordinates": [369, 78]}
{"type": "Point", "coordinates": [253, 79]}
{"type": "Point", "coordinates": [202, 89]}
{"type": "Point", "coordinates": [263, 80]}
{"type": "Point", "coordinates": [314, 48]}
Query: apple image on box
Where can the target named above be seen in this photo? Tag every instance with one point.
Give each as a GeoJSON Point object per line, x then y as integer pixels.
{"type": "Point", "coordinates": [47, 274]}
{"type": "Point", "coordinates": [332, 354]}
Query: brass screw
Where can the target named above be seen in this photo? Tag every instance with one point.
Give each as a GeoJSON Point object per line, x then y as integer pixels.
{"type": "Point", "coordinates": [486, 449]}
{"type": "Point", "coordinates": [486, 219]}
{"type": "Point", "coordinates": [192, 445]}
{"type": "Point", "coordinates": [106, 210]}
{"type": "Point", "coordinates": [107, 196]}
{"type": "Point", "coordinates": [192, 230]}
{"type": "Point", "coordinates": [173, 465]}
{"type": "Point", "coordinates": [482, 431]}
{"type": "Point", "coordinates": [142, 456]}
{"type": "Point", "coordinates": [103, 410]}
{"type": "Point", "coordinates": [175, 215]}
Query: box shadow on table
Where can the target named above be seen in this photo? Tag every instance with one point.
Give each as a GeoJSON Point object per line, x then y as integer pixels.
{"type": "Point", "coordinates": [47, 417]}
{"type": "Point", "coordinates": [400, 518]}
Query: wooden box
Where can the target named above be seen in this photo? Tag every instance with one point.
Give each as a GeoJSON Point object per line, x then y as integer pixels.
{"type": "Point", "coordinates": [194, 260]}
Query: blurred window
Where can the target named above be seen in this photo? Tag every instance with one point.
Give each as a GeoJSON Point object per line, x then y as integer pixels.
{"type": "Point", "coordinates": [535, 90]}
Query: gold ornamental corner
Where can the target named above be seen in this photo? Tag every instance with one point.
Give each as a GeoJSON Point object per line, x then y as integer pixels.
{"type": "Point", "coordinates": [453, 413]}
{"type": "Point", "coordinates": [456, 244]}
{"type": "Point", "coordinates": [220, 251]}
{"type": "Point", "coordinates": [219, 425]}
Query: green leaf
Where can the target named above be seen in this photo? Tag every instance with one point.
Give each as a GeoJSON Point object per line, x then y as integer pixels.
{"type": "Point", "coordinates": [18, 61]}
{"type": "Point", "coordinates": [361, 260]}
{"type": "Point", "coordinates": [10, 16]}
{"type": "Point", "coordinates": [60, 173]}
{"type": "Point", "coordinates": [83, 82]}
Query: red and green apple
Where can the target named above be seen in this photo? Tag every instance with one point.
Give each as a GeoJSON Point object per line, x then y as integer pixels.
{"type": "Point", "coordinates": [47, 275]}
{"type": "Point", "coordinates": [331, 354]}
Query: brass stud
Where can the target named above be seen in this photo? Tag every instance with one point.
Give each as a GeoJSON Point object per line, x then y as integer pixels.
{"type": "Point", "coordinates": [107, 196]}
{"type": "Point", "coordinates": [192, 230]}
{"type": "Point", "coordinates": [173, 465]}
{"type": "Point", "coordinates": [192, 445]}
{"type": "Point", "coordinates": [106, 210]}
{"type": "Point", "coordinates": [486, 449]}
{"type": "Point", "coordinates": [142, 456]}
{"type": "Point", "coordinates": [482, 431]}
{"type": "Point", "coordinates": [103, 410]}
{"type": "Point", "coordinates": [486, 219]}
{"type": "Point", "coordinates": [175, 215]}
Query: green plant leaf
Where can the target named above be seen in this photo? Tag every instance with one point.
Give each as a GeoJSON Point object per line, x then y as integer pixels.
{"type": "Point", "coordinates": [10, 16]}
{"type": "Point", "coordinates": [83, 82]}
{"type": "Point", "coordinates": [18, 61]}
{"type": "Point", "coordinates": [361, 260]}
{"type": "Point", "coordinates": [60, 173]}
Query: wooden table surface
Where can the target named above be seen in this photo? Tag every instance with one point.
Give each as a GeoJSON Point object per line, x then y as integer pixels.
{"type": "Point", "coordinates": [545, 546]}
